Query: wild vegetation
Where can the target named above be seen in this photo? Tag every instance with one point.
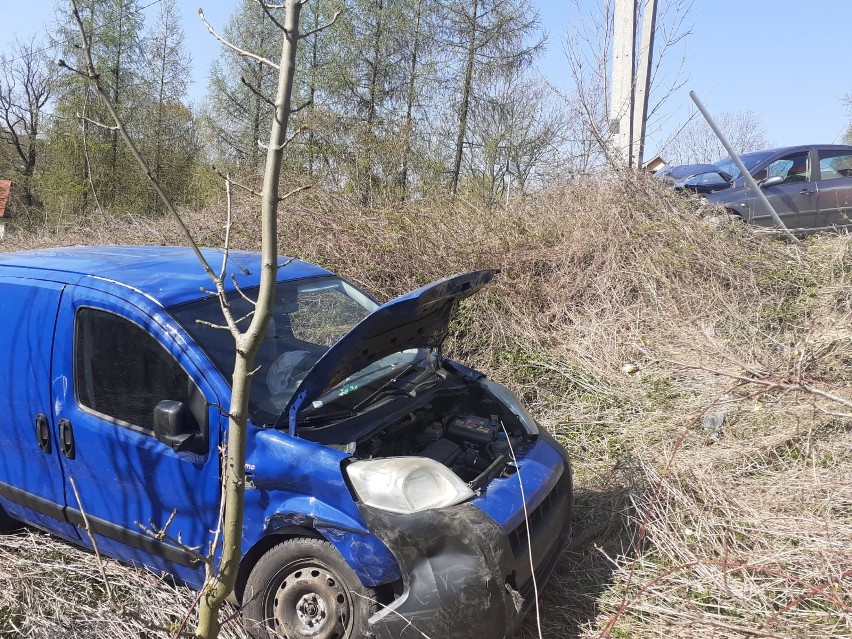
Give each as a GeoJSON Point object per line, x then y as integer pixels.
{"type": "Point", "coordinates": [398, 99]}
{"type": "Point", "coordinates": [698, 372]}
{"type": "Point", "coordinates": [632, 328]}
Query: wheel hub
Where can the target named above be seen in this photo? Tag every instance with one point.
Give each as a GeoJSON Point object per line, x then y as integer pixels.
{"type": "Point", "coordinates": [310, 602]}
{"type": "Point", "coordinates": [311, 610]}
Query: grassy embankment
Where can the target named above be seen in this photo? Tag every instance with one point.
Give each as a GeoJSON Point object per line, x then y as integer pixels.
{"type": "Point", "coordinates": [615, 310]}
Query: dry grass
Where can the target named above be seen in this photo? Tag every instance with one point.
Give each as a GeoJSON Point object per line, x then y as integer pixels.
{"type": "Point", "coordinates": [679, 531]}
{"type": "Point", "coordinates": [54, 590]}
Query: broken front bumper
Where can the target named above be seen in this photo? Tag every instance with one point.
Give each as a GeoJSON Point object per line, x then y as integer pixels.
{"type": "Point", "coordinates": [455, 564]}
{"type": "Point", "coordinates": [463, 575]}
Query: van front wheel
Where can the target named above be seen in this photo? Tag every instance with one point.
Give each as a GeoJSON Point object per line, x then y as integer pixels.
{"type": "Point", "coordinates": [303, 588]}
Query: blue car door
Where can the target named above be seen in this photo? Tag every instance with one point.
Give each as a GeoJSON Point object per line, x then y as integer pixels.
{"type": "Point", "coordinates": [31, 481]}
{"type": "Point", "coordinates": [122, 362]}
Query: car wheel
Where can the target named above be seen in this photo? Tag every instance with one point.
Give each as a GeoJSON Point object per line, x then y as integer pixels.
{"type": "Point", "coordinates": [303, 588]}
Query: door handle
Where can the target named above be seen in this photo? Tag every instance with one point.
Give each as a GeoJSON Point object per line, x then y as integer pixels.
{"type": "Point", "coordinates": [805, 192]}
{"type": "Point", "coordinates": [66, 439]}
{"type": "Point", "coordinates": [42, 428]}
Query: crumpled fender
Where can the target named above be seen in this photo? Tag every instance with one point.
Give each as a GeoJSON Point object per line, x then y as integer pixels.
{"type": "Point", "coordinates": [368, 557]}
{"type": "Point", "coordinates": [297, 484]}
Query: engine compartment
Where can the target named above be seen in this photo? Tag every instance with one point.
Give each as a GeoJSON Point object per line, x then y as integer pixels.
{"type": "Point", "coordinates": [472, 435]}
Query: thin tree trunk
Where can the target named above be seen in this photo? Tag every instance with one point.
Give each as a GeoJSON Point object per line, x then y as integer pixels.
{"type": "Point", "coordinates": [161, 99]}
{"type": "Point", "coordinates": [409, 105]}
{"type": "Point", "coordinates": [257, 114]}
{"type": "Point", "coordinates": [216, 591]}
{"type": "Point", "coordinates": [29, 168]}
{"type": "Point", "coordinates": [367, 189]}
{"type": "Point", "coordinates": [465, 102]}
{"type": "Point", "coordinates": [116, 95]}
{"type": "Point", "coordinates": [312, 92]}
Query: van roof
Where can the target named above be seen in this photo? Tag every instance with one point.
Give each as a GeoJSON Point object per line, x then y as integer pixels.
{"type": "Point", "coordinates": [168, 274]}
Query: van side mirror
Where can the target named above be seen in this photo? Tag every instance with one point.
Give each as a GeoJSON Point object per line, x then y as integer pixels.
{"type": "Point", "coordinates": [171, 421]}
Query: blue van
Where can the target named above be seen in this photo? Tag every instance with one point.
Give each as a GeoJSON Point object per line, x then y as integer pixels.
{"type": "Point", "coordinates": [390, 492]}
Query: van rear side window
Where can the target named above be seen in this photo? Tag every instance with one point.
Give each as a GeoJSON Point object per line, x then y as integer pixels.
{"type": "Point", "coordinates": [122, 372]}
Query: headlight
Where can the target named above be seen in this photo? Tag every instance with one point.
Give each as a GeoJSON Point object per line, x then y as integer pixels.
{"type": "Point", "coordinates": [406, 484]}
{"type": "Point", "coordinates": [510, 401]}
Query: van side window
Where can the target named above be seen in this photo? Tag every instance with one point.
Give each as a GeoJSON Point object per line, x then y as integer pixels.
{"type": "Point", "coordinates": [122, 372]}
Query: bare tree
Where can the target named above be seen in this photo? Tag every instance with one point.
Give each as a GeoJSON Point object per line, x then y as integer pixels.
{"type": "Point", "coordinates": [516, 133]}
{"type": "Point", "coordinates": [221, 579]}
{"type": "Point", "coordinates": [696, 143]}
{"type": "Point", "coordinates": [588, 49]}
{"type": "Point", "coordinates": [27, 81]}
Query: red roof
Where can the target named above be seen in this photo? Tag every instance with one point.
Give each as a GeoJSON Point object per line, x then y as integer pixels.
{"type": "Point", "coordinates": [5, 186]}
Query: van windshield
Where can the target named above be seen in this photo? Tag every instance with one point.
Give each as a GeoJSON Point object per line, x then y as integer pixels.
{"type": "Point", "coordinates": [309, 316]}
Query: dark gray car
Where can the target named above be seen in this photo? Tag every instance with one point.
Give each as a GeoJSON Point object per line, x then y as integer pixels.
{"type": "Point", "coordinates": [809, 186]}
{"type": "Point", "coordinates": [698, 178]}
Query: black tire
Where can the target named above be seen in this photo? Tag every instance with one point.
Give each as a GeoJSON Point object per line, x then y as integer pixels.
{"type": "Point", "coordinates": [302, 588]}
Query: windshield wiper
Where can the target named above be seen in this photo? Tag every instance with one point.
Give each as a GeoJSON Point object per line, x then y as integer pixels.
{"type": "Point", "coordinates": [384, 388]}
{"type": "Point", "coordinates": [309, 420]}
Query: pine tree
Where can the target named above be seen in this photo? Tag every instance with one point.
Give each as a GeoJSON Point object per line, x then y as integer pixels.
{"type": "Point", "coordinates": [489, 41]}
{"type": "Point", "coordinates": [87, 164]}
{"type": "Point", "coordinates": [239, 99]}
{"type": "Point", "coordinates": [167, 134]}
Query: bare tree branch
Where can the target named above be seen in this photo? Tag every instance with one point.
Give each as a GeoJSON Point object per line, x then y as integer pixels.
{"type": "Point", "coordinates": [322, 27]}
{"type": "Point", "coordinates": [304, 105]}
{"type": "Point", "coordinates": [290, 194]}
{"type": "Point", "coordinates": [201, 322]}
{"type": "Point", "coordinates": [240, 291]}
{"type": "Point", "coordinates": [784, 383]}
{"type": "Point", "coordinates": [227, 227]}
{"type": "Point", "coordinates": [239, 185]}
{"type": "Point", "coordinates": [235, 48]}
{"type": "Point", "coordinates": [85, 139]}
{"type": "Point", "coordinates": [286, 142]}
{"type": "Point", "coordinates": [267, 10]}
{"type": "Point", "coordinates": [256, 91]}
{"type": "Point", "coordinates": [92, 539]}
{"type": "Point", "coordinates": [100, 125]}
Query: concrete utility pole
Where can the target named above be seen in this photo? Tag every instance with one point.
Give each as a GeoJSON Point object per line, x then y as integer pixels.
{"type": "Point", "coordinates": [621, 97]}
{"type": "Point", "coordinates": [643, 82]}
{"type": "Point", "coordinates": [631, 82]}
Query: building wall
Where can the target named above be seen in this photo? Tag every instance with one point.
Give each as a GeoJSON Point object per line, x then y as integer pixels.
{"type": "Point", "coordinates": [5, 187]}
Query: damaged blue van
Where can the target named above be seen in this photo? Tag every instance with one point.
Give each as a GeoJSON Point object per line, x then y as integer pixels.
{"type": "Point", "coordinates": [390, 492]}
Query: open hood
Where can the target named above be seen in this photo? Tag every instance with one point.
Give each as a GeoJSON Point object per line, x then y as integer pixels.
{"type": "Point", "coordinates": [419, 319]}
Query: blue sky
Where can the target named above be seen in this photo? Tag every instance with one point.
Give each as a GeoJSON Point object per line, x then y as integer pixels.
{"type": "Point", "coordinates": [787, 61]}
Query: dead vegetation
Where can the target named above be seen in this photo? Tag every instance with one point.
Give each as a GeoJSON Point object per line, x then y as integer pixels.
{"type": "Point", "coordinates": [622, 319]}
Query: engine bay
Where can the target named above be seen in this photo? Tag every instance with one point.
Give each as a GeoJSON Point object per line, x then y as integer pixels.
{"type": "Point", "coordinates": [474, 436]}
